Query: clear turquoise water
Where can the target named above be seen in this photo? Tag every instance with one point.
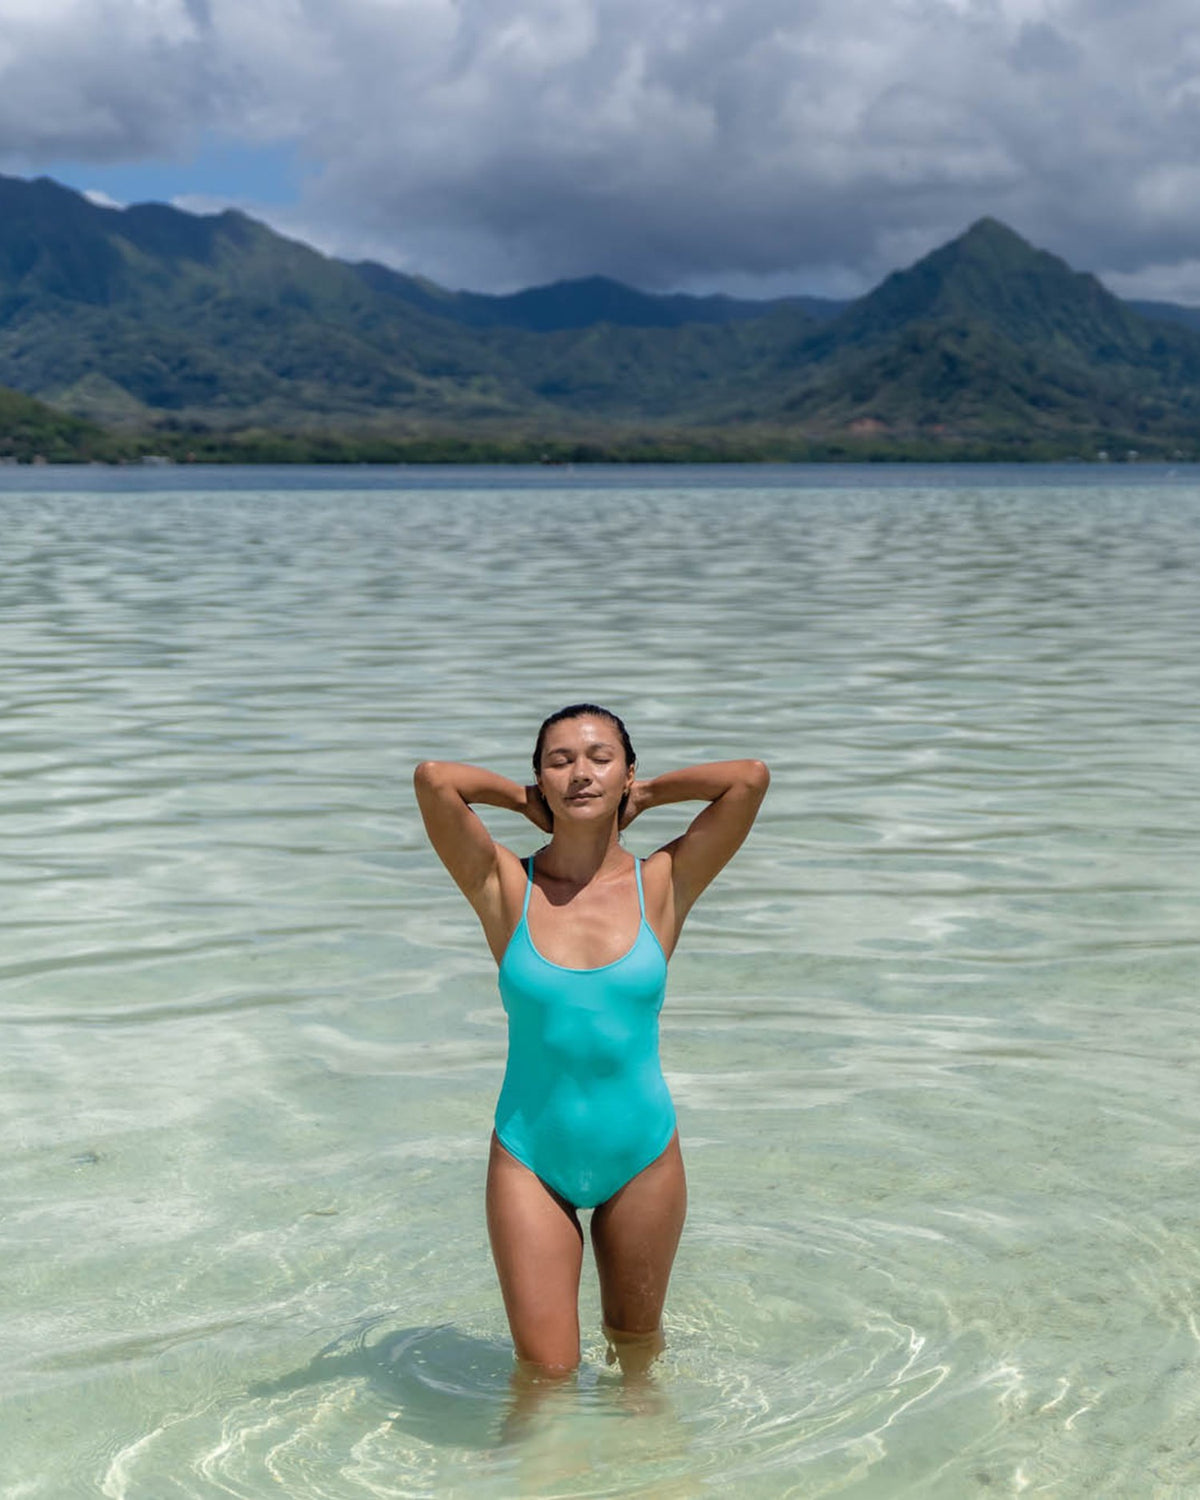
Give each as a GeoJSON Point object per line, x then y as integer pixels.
{"type": "Point", "coordinates": [933, 1037]}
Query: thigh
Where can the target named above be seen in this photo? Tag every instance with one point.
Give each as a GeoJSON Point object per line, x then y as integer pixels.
{"type": "Point", "coordinates": [537, 1246]}
{"type": "Point", "coordinates": [635, 1236]}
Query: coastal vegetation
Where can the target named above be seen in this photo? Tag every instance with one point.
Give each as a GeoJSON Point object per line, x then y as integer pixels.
{"type": "Point", "coordinates": [31, 431]}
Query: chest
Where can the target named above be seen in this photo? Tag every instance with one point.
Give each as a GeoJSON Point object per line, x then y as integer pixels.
{"type": "Point", "coordinates": [584, 930]}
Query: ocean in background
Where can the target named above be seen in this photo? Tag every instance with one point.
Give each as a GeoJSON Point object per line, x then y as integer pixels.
{"type": "Point", "coordinates": [933, 1036]}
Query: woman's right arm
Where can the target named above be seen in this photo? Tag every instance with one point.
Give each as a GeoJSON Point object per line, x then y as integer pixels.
{"type": "Point", "coordinates": [445, 791]}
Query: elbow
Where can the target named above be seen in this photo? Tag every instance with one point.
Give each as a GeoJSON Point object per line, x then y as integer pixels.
{"type": "Point", "coordinates": [758, 777]}
{"type": "Point", "coordinates": [427, 775]}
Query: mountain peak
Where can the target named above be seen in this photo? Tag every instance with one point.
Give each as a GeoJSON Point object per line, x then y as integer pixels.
{"type": "Point", "coordinates": [991, 245]}
{"type": "Point", "coordinates": [989, 231]}
{"type": "Point", "coordinates": [989, 276]}
{"type": "Point", "coordinates": [990, 249]}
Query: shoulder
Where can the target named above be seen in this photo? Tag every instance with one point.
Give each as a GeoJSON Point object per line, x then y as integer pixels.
{"type": "Point", "coordinates": [500, 902]}
{"type": "Point", "coordinates": [504, 889]}
{"type": "Point", "coordinates": [657, 888]}
{"type": "Point", "coordinates": [512, 869]}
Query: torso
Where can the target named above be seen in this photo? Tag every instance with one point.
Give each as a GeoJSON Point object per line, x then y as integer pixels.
{"type": "Point", "coordinates": [584, 1104]}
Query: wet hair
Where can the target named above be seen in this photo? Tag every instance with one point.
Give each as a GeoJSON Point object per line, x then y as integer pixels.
{"type": "Point", "coordinates": [586, 711]}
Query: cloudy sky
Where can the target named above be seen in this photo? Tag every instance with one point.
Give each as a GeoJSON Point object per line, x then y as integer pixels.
{"type": "Point", "coordinates": [753, 146]}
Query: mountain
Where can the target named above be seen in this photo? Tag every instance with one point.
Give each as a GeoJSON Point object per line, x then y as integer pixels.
{"type": "Point", "coordinates": [152, 319]}
{"type": "Point", "coordinates": [989, 334]}
{"type": "Point", "coordinates": [127, 314]}
{"type": "Point", "coordinates": [582, 304]}
{"type": "Point", "coordinates": [990, 275]}
{"type": "Point", "coordinates": [148, 312]}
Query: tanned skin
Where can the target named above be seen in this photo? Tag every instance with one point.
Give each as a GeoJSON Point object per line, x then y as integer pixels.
{"type": "Point", "coordinates": [583, 913]}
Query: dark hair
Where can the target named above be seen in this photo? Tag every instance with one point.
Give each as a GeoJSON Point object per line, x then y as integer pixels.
{"type": "Point", "coordinates": [587, 711]}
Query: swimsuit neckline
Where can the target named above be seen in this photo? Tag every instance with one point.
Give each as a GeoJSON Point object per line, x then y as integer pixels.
{"type": "Point", "coordinates": [523, 926]}
{"type": "Point", "coordinates": [643, 925]}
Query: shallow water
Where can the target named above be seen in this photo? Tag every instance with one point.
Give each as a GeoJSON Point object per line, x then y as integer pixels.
{"type": "Point", "coordinates": [932, 1037]}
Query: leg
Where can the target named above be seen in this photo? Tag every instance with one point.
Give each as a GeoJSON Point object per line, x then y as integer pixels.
{"type": "Point", "coordinates": [635, 1236]}
{"type": "Point", "coordinates": [537, 1246]}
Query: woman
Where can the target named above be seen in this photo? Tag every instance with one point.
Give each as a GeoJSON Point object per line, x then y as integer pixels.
{"type": "Point", "coordinates": [582, 932]}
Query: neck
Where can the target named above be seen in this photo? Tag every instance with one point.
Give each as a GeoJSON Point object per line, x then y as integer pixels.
{"type": "Point", "coordinates": [579, 854]}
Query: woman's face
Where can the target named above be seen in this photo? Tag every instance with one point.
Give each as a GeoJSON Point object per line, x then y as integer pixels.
{"type": "Point", "coordinates": [583, 774]}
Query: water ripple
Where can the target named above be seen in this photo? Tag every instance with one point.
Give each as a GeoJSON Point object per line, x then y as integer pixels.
{"type": "Point", "coordinates": [932, 1039]}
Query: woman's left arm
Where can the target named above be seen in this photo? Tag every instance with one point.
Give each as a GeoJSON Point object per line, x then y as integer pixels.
{"type": "Point", "coordinates": [734, 790]}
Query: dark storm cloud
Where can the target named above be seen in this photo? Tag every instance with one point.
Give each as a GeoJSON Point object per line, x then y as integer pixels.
{"type": "Point", "coordinates": [498, 142]}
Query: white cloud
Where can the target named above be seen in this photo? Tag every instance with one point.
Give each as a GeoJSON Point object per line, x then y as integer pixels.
{"type": "Point", "coordinates": [700, 142]}
{"type": "Point", "coordinates": [101, 199]}
{"type": "Point", "coordinates": [102, 79]}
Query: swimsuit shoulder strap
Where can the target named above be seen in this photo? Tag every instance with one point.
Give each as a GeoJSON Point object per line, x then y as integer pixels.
{"type": "Point", "coordinates": [637, 870]}
{"type": "Point", "coordinates": [528, 886]}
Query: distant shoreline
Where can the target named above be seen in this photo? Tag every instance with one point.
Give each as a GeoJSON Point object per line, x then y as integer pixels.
{"type": "Point", "coordinates": [294, 478]}
{"type": "Point", "coordinates": [106, 449]}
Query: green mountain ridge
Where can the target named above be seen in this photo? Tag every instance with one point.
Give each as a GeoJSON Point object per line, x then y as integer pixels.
{"type": "Point", "coordinates": [155, 320]}
{"type": "Point", "coordinates": [987, 334]}
{"type": "Point", "coordinates": [582, 303]}
{"type": "Point", "coordinates": [990, 274]}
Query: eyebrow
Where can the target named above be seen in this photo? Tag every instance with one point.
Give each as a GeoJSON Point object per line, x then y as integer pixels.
{"type": "Point", "coordinates": [570, 749]}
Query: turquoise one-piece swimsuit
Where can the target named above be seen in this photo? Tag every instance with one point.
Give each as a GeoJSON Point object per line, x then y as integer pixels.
{"type": "Point", "coordinates": [584, 1103]}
